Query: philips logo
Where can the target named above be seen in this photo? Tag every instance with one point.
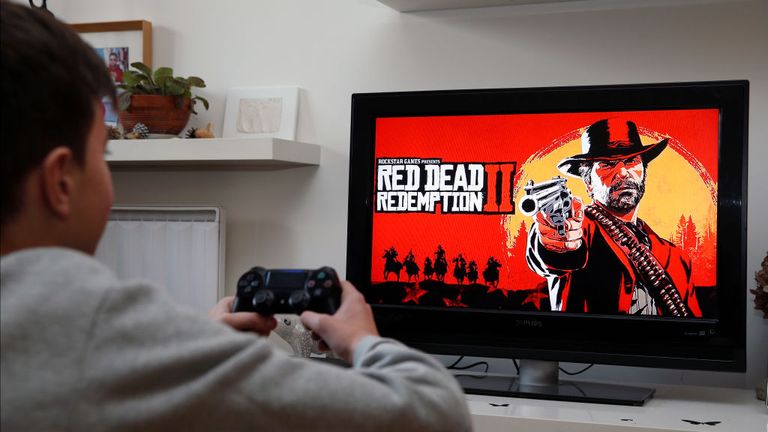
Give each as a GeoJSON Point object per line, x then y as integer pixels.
{"type": "Point", "coordinates": [529, 323]}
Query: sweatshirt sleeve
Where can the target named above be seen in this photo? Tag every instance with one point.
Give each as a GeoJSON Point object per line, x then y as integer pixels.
{"type": "Point", "coordinates": [151, 365]}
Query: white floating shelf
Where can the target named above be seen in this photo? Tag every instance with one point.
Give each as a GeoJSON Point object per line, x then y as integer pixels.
{"type": "Point", "coordinates": [260, 153]}
{"type": "Point", "coordinates": [427, 5]}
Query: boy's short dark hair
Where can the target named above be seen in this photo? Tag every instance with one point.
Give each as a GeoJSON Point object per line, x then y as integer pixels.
{"type": "Point", "coordinates": [50, 80]}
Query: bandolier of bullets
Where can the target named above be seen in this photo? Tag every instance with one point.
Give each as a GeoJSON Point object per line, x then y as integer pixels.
{"type": "Point", "coordinates": [644, 262]}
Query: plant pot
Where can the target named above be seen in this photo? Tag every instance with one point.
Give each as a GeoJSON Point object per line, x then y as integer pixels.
{"type": "Point", "coordinates": [161, 114]}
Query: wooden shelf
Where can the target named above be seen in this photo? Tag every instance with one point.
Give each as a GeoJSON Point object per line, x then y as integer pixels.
{"type": "Point", "coordinates": [217, 153]}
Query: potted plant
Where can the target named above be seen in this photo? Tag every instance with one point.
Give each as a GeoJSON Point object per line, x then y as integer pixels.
{"type": "Point", "coordinates": [157, 99]}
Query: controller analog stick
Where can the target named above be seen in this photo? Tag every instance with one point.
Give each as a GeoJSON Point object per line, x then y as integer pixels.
{"type": "Point", "coordinates": [262, 301]}
{"type": "Point", "coordinates": [299, 300]}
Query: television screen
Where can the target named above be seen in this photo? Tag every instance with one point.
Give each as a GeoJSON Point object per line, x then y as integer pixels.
{"type": "Point", "coordinates": [593, 224]}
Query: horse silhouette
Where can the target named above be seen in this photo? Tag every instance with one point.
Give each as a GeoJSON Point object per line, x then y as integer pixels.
{"type": "Point", "coordinates": [392, 264]}
{"type": "Point", "coordinates": [441, 264]}
{"type": "Point", "coordinates": [491, 272]}
{"type": "Point", "coordinates": [472, 274]}
{"type": "Point", "coordinates": [411, 268]}
{"type": "Point", "coordinates": [459, 268]}
{"type": "Point", "coordinates": [428, 269]}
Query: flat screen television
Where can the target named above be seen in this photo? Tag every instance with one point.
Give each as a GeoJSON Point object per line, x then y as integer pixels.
{"type": "Point", "coordinates": [595, 224]}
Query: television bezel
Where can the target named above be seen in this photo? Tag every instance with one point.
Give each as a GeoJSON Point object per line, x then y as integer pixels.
{"type": "Point", "coordinates": [703, 343]}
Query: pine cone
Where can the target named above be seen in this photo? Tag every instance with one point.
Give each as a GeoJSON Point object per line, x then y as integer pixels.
{"type": "Point", "coordinates": [141, 130]}
{"type": "Point", "coordinates": [114, 133]}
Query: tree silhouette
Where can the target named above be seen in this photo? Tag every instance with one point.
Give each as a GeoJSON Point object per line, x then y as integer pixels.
{"type": "Point", "coordinates": [679, 236]}
{"type": "Point", "coordinates": [691, 242]}
{"type": "Point", "coordinates": [701, 248]}
{"type": "Point", "coordinates": [705, 268]}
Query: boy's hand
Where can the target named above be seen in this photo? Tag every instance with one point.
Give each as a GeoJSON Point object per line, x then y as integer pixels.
{"type": "Point", "coordinates": [242, 321]}
{"type": "Point", "coordinates": [343, 330]}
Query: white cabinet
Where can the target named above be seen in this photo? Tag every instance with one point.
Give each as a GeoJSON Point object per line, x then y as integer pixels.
{"type": "Point", "coordinates": [673, 408]}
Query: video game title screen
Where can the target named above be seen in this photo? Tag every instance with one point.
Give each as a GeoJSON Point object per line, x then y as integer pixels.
{"type": "Point", "coordinates": [595, 212]}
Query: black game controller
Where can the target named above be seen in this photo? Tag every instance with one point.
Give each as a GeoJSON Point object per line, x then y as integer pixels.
{"type": "Point", "coordinates": [268, 292]}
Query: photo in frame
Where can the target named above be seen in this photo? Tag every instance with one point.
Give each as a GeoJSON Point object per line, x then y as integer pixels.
{"type": "Point", "coordinates": [261, 112]}
{"type": "Point", "coordinates": [118, 43]}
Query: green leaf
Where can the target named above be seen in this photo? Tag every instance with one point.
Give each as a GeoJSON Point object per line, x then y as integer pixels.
{"type": "Point", "coordinates": [131, 78]}
{"type": "Point", "coordinates": [196, 81]}
{"type": "Point", "coordinates": [162, 82]}
{"type": "Point", "coordinates": [162, 73]}
{"type": "Point", "coordinates": [143, 68]}
{"type": "Point", "coordinates": [142, 77]}
{"type": "Point", "coordinates": [203, 100]}
{"type": "Point", "coordinates": [146, 87]}
{"type": "Point", "coordinates": [124, 100]}
{"type": "Point", "coordinates": [173, 88]}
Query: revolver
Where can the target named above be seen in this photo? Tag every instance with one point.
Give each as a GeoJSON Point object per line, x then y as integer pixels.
{"type": "Point", "coordinates": [551, 197]}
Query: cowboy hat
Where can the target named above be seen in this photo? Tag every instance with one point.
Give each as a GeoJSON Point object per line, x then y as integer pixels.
{"type": "Point", "coordinates": [610, 139]}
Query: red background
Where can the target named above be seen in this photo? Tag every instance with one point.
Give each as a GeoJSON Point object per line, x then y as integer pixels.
{"type": "Point", "coordinates": [499, 138]}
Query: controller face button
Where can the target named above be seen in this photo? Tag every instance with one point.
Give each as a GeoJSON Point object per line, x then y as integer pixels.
{"type": "Point", "coordinates": [311, 283]}
{"type": "Point", "coordinates": [255, 283]}
{"type": "Point", "coordinates": [318, 292]}
{"type": "Point", "coordinates": [321, 275]}
{"type": "Point", "coordinates": [328, 283]}
{"type": "Point", "coordinates": [242, 282]}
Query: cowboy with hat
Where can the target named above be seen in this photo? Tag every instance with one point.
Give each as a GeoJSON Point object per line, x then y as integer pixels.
{"type": "Point", "coordinates": [610, 139]}
{"type": "Point", "coordinates": [612, 148]}
{"type": "Point", "coordinates": [586, 270]}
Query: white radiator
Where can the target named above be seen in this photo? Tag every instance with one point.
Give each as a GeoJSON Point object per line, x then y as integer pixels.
{"type": "Point", "coordinates": [179, 248]}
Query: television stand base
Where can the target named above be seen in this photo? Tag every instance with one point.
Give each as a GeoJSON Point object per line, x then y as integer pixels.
{"type": "Point", "coordinates": [531, 385]}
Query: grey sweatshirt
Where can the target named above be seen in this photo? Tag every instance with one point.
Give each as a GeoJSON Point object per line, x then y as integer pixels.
{"type": "Point", "coordinates": [83, 351]}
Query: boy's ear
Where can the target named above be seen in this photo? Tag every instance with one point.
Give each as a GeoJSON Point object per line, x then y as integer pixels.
{"type": "Point", "coordinates": [58, 182]}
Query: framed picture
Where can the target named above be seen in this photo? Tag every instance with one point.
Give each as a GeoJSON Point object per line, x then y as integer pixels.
{"type": "Point", "coordinates": [261, 112]}
{"type": "Point", "coordinates": [131, 41]}
{"type": "Point", "coordinates": [118, 43]}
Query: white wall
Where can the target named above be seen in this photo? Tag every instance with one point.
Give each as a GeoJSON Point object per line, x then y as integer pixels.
{"type": "Point", "coordinates": [333, 48]}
